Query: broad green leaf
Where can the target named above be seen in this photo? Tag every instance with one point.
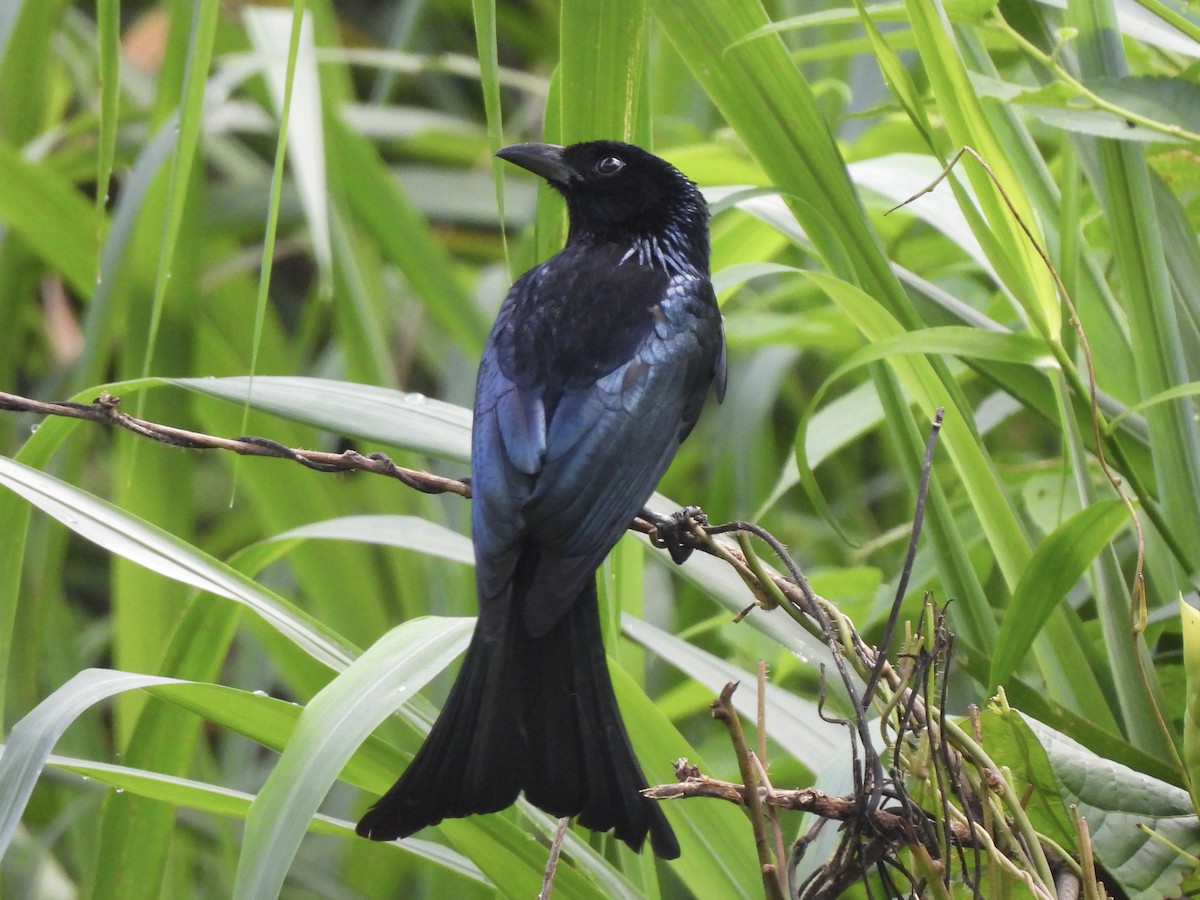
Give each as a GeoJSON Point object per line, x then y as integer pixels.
{"type": "Point", "coordinates": [1011, 745]}
{"type": "Point", "coordinates": [1115, 800]}
{"type": "Point", "coordinates": [1058, 563]}
{"type": "Point", "coordinates": [1100, 123]}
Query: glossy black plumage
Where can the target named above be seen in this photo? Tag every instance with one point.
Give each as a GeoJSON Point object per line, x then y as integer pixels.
{"type": "Point", "coordinates": [594, 372]}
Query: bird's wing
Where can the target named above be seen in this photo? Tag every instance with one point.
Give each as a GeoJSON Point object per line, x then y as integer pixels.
{"type": "Point", "coordinates": [508, 441]}
{"type": "Point", "coordinates": [609, 442]}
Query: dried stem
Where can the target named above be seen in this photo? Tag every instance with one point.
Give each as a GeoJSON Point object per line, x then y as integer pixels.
{"type": "Point", "coordinates": [724, 711]}
{"type": "Point", "coordinates": [885, 822]}
{"type": "Point", "coordinates": [560, 834]}
{"type": "Point", "coordinates": [105, 411]}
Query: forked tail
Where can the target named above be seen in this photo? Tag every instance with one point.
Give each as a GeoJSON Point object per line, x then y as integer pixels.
{"type": "Point", "coordinates": [531, 714]}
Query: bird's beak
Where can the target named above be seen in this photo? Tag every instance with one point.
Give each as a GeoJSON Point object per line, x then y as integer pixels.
{"type": "Point", "coordinates": [540, 159]}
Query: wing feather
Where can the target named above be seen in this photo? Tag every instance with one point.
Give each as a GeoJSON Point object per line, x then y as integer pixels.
{"type": "Point", "coordinates": [571, 481]}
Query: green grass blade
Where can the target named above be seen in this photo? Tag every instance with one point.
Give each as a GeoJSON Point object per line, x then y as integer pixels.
{"type": "Point", "coordinates": [486, 40]}
{"type": "Point", "coordinates": [359, 410]}
{"type": "Point", "coordinates": [154, 549]}
{"type": "Point", "coordinates": [330, 729]}
{"type": "Point", "coordinates": [602, 64]}
{"type": "Point", "coordinates": [716, 841]}
{"type": "Point", "coordinates": [26, 40]}
{"type": "Point", "coordinates": [294, 81]}
{"type": "Point", "coordinates": [988, 500]}
{"type": "Point", "coordinates": [191, 109]}
{"type": "Point", "coordinates": [32, 739]}
{"type": "Point", "coordinates": [378, 204]}
{"type": "Point", "coordinates": [1125, 193]}
{"type": "Point", "coordinates": [51, 216]}
{"type": "Point", "coordinates": [308, 158]}
{"type": "Point", "coordinates": [229, 803]}
{"type": "Point", "coordinates": [967, 125]}
{"type": "Point", "coordinates": [792, 721]}
{"type": "Point", "coordinates": [108, 22]}
{"type": "Point", "coordinates": [135, 832]}
{"type": "Point", "coordinates": [1060, 561]}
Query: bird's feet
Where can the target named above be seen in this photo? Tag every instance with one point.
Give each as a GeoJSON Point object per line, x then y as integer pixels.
{"type": "Point", "coordinates": [673, 532]}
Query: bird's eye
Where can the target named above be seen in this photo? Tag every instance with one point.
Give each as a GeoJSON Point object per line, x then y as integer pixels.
{"type": "Point", "coordinates": [610, 165]}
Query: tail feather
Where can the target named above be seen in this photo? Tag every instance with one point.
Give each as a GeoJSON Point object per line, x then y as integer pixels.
{"type": "Point", "coordinates": [613, 779]}
{"type": "Point", "coordinates": [533, 714]}
{"type": "Point", "coordinates": [472, 761]}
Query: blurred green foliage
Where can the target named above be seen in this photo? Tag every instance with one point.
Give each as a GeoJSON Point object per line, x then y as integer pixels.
{"type": "Point", "coordinates": [139, 186]}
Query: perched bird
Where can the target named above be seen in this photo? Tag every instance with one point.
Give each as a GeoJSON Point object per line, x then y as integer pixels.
{"type": "Point", "coordinates": [594, 372]}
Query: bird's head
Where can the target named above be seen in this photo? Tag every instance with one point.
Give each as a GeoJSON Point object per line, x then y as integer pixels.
{"type": "Point", "coordinates": [618, 192]}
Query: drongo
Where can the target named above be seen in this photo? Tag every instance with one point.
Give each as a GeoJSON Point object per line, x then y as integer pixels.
{"type": "Point", "coordinates": [594, 372]}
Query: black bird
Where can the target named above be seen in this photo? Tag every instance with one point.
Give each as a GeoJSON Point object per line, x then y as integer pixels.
{"type": "Point", "coordinates": [595, 371]}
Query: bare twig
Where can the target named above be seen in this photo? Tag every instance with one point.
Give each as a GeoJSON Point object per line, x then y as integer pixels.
{"type": "Point", "coordinates": [808, 604]}
{"type": "Point", "coordinates": [902, 585]}
{"type": "Point", "coordinates": [760, 764]}
{"type": "Point", "coordinates": [560, 834]}
{"type": "Point", "coordinates": [105, 411]}
{"type": "Point", "coordinates": [885, 822]}
{"type": "Point", "coordinates": [723, 711]}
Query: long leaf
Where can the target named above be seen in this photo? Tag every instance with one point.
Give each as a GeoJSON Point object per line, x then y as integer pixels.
{"type": "Point", "coordinates": [139, 541]}
{"type": "Point", "coordinates": [1059, 562]}
{"type": "Point", "coordinates": [331, 728]}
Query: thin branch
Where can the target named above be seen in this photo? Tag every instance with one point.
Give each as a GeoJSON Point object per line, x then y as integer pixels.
{"type": "Point", "coordinates": [723, 711]}
{"type": "Point", "coordinates": [886, 823]}
{"type": "Point", "coordinates": [760, 765]}
{"type": "Point", "coordinates": [560, 834]}
{"type": "Point", "coordinates": [909, 558]}
{"type": "Point", "coordinates": [105, 411]}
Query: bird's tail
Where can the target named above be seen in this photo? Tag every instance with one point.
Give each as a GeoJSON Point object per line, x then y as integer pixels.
{"type": "Point", "coordinates": [532, 714]}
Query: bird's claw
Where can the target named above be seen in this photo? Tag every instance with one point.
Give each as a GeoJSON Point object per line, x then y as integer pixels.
{"type": "Point", "coordinates": [673, 532]}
